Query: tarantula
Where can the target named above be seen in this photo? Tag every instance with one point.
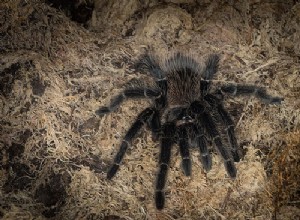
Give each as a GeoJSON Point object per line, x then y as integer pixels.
{"type": "Point", "coordinates": [187, 111]}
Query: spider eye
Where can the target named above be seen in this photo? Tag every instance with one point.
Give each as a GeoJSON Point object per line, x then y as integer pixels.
{"type": "Point", "coordinates": [187, 118]}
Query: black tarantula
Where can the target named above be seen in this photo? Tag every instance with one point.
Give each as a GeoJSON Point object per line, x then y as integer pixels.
{"type": "Point", "coordinates": [185, 110]}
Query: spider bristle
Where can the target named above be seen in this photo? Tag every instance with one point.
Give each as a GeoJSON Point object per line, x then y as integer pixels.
{"type": "Point", "coordinates": [183, 74]}
{"type": "Point", "coordinates": [211, 67]}
{"type": "Point", "coordinates": [181, 60]}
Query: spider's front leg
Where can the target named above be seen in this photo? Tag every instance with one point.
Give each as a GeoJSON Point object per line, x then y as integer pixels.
{"type": "Point", "coordinates": [248, 90]}
{"type": "Point", "coordinates": [211, 68]}
{"type": "Point", "coordinates": [167, 140]}
{"type": "Point", "coordinates": [129, 93]}
{"type": "Point", "coordinates": [142, 118]}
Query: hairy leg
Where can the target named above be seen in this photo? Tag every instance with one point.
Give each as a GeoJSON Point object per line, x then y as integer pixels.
{"type": "Point", "coordinates": [205, 156]}
{"type": "Point", "coordinates": [155, 125]}
{"type": "Point", "coordinates": [230, 132]}
{"type": "Point", "coordinates": [128, 93]}
{"type": "Point", "coordinates": [184, 150]}
{"type": "Point", "coordinates": [210, 127]}
{"type": "Point", "coordinates": [248, 90]}
{"type": "Point", "coordinates": [149, 63]}
{"type": "Point", "coordinates": [228, 122]}
{"type": "Point", "coordinates": [211, 68]}
{"type": "Point", "coordinates": [135, 127]}
{"type": "Point", "coordinates": [167, 141]}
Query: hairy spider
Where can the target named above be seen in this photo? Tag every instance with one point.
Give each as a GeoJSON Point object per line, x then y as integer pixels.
{"type": "Point", "coordinates": [187, 111]}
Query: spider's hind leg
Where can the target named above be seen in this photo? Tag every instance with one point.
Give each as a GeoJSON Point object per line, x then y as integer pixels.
{"type": "Point", "coordinates": [210, 127]}
{"type": "Point", "coordinates": [135, 127]}
{"type": "Point", "coordinates": [205, 156]}
{"type": "Point", "coordinates": [230, 132]}
{"type": "Point", "coordinates": [228, 122]}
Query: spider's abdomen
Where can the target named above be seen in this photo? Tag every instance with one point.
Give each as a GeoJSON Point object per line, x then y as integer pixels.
{"type": "Point", "coordinates": [183, 75]}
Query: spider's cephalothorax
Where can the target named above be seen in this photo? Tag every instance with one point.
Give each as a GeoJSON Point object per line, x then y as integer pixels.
{"type": "Point", "coordinates": [185, 111]}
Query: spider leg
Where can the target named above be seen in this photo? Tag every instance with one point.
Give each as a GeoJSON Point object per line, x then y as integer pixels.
{"type": "Point", "coordinates": [161, 101]}
{"type": "Point", "coordinates": [208, 122]}
{"type": "Point", "coordinates": [155, 125]}
{"type": "Point", "coordinates": [135, 127]}
{"type": "Point", "coordinates": [201, 143]}
{"type": "Point", "coordinates": [167, 141]}
{"type": "Point", "coordinates": [128, 93]}
{"type": "Point", "coordinates": [230, 132]}
{"type": "Point", "coordinates": [227, 120]}
{"type": "Point", "coordinates": [150, 64]}
{"type": "Point", "coordinates": [246, 90]}
{"type": "Point", "coordinates": [184, 150]}
{"type": "Point", "coordinates": [211, 68]}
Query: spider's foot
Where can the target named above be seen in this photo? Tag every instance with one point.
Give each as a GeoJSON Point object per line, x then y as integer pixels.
{"type": "Point", "coordinates": [155, 136]}
{"type": "Point", "coordinates": [206, 162]}
{"type": "Point", "coordinates": [102, 111]}
{"type": "Point", "coordinates": [112, 171]}
{"type": "Point", "coordinates": [236, 156]}
{"type": "Point", "coordinates": [276, 100]}
{"type": "Point", "coordinates": [187, 166]}
{"type": "Point", "coordinates": [159, 199]}
{"type": "Point", "coordinates": [230, 168]}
